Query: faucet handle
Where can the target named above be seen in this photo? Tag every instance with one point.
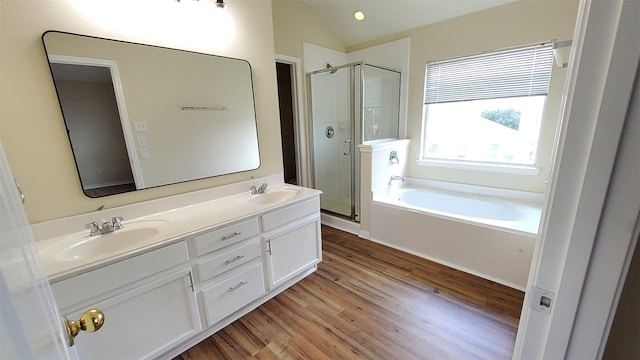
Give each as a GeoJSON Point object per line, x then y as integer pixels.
{"type": "Point", "coordinates": [263, 187]}
{"type": "Point", "coordinates": [93, 226]}
{"type": "Point", "coordinates": [117, 222]}
{"type": "Point", "coordinates": [253, 189]}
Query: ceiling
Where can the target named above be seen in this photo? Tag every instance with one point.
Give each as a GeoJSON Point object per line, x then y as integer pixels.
{"type": "Point", "coordinates": [392, 16]}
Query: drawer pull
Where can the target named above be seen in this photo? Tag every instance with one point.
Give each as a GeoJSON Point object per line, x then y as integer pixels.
{"type": "Point", "coordinates": [227, 237]}
{"type": "Point", "coordinates": [234, 259]}
{"type": "Point", "coordinates": [234, 288]}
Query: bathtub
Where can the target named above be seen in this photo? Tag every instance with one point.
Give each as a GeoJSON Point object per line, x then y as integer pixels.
{"type": "Point", "coordinates": [484, 231]}
{"type": "Point", "coordinates": [482, 210]}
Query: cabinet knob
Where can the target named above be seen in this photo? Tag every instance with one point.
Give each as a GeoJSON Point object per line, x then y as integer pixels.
{"type": "Point", "coordinates": [92, 320]}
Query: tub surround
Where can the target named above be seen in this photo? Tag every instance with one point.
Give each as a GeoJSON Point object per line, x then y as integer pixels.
{"type": "Point", "coordinates": [497, 250]}
{"type": "Point", "coordinates": [199, 260]}
{"type": "Point", "coordinates": [376, 170]}
{"type": "Point", "coordinates": [500, 256]}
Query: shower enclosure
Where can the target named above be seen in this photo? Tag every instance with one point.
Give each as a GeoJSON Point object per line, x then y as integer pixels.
{"type": "Point", "coordinates": [348, 105]}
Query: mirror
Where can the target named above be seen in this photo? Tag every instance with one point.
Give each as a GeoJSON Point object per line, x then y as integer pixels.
{"type": "Point", "coordinates": [141, 116]}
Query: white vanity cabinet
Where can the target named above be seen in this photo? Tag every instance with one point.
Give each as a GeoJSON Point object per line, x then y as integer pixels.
{"type": "Point", "coordinates": [212, 268]}
{"type": "Point", "coordinates": [232, 263]}
{"type": "Point", "coordinates": [148, 301]}
{"type": "Point", "coordinates": [228, 267]}
{"type": "Point", "coordinates": [292, 240]}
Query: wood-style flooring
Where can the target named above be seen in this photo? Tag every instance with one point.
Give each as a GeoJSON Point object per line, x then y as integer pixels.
{"type": "Point", "coordinates": [368, 301]}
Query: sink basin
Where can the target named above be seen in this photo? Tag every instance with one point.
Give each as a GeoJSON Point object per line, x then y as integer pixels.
{"type": "Point", "coordinates": [132, 235]}
{"type": "Point", "coordinates": [108, 243]}
{"type": "Point", "coordinates": [271, 197]}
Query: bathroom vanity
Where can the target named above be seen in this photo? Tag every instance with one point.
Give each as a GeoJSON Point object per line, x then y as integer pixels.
{"type": "Point", "coordinates": [177, 274]}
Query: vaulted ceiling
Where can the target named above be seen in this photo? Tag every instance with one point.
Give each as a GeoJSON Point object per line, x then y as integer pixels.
{"type": "Point", "coordinates": [392, 16]}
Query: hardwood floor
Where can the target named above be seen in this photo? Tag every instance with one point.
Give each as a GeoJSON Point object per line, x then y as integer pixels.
{"type": "Point", "coordinates": [368, 301]}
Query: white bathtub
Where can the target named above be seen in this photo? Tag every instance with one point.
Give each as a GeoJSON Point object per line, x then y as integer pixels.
{"type": "Point", "coordinates": [483, 210]}
{"type": "Point", "coordinates": [484, 231]}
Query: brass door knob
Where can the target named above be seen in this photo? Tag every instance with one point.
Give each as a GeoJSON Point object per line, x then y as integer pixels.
{"type": "Point", "coordinates": [90, 321]}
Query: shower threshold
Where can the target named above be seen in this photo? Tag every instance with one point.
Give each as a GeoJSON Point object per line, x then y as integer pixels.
{"type": "Point", "coordinates": [341, 216]}
{"type": "Point", "coordinates": [341, 222]}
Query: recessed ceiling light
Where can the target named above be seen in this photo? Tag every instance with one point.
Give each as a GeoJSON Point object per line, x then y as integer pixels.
{"type": "Point", "coordinates": [358, 15]}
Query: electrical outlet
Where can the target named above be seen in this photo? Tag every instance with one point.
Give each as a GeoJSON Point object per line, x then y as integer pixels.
{"type": "Point", "coordinates": [140, 125]}
{"type": "Point", "coordinates": [144, 153]}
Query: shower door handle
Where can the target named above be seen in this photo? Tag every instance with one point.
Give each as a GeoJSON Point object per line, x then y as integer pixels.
{"type": "Point", "coordinates": [346, 147]}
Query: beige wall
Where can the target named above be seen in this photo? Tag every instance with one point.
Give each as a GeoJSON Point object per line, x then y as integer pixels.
{"type": "Point", "coordinates": [295, 22]}
{"type": "Point", "coordinates": [31, 127]}
{"type": "Point", "coordinates": [520, 23]}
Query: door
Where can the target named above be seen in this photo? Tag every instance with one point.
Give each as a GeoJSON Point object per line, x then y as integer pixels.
{"type": "Point", "coordinates": [30, 325]}
{"type": "Point", "coordinates": [587, 235]}
{"type": "Point", "coordinates": [333, 104]}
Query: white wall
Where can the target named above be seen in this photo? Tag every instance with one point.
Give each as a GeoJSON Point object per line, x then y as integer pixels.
{"type": "Point", "coordinates": [394, 55]}
{"type": "Point", "coordinates": [317, 57]}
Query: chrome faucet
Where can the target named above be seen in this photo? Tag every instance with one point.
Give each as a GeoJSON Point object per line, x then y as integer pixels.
{"type": "Point", "coordinates": [396, 177]}
{"type": "Point", "coordinates": [261, 190]}
{"type": "Point", "coordinates": [106, 226]}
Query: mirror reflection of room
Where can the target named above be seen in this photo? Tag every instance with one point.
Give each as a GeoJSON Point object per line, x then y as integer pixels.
{"type": "Point", "coordinates": [89, 105]}
{"type": "Point", "coordinates": [141, 116]}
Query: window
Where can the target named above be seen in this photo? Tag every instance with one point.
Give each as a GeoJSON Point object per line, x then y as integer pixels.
{"type": "Point", "coordinates": [486, 109]}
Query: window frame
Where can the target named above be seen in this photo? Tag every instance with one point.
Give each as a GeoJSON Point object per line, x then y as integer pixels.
{"type": "Point", "coordinates": [488, 166]}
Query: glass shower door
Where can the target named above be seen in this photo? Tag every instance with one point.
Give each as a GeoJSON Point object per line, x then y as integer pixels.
{"type": "Point", "coordinates": [332, 117]}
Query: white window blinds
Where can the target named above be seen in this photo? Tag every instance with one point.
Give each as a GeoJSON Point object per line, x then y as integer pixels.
{"type": "Point", "coordinates": [511, 73]}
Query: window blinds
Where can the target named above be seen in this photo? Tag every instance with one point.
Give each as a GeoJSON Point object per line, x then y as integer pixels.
{"type": "Point", "coordinates": [512, 73]}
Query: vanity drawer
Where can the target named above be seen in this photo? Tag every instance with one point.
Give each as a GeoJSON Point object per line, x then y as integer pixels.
{"type": "Point", "coordinates": [284, 216]}
{"type": "Point", "coordinates": [216, 239]}
{"type": "Point", "coordinates": [228, 260]}
{"type": "Point", "coordinates": [227, 296]}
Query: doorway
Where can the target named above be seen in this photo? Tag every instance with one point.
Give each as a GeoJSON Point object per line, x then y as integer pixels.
{"type": "Point", "coordinates": [287, 105]}
{"type": "Point", "coordinates": [95, 118]}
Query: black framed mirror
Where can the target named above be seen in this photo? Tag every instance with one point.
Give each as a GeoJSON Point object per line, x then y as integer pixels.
{"type": "Point", "coordinates": [140, 116]}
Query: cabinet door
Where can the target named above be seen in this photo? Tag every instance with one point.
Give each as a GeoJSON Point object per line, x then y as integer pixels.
{"type": "Point", "coordinates": [144, 322]}
{"type": "Point", "coordinates": [292, 251]}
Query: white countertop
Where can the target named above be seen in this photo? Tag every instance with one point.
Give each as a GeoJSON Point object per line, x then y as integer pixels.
{"type": "Point", "coordinates": [215, 208]}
